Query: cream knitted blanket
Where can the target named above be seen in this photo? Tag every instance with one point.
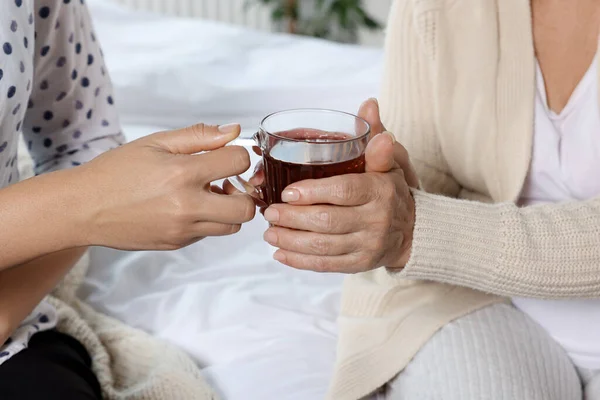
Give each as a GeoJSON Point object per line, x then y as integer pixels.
{"type": "Point", "coordinates": [129, 363]}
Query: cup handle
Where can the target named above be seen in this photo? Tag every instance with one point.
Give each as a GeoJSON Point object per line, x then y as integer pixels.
{"type": "Point", "coordinates": [240, 183]}
{"type": "Point", "coordinates": [245, 187]}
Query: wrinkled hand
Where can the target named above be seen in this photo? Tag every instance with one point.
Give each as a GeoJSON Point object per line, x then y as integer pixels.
{"type": "Point", "coordinates": [350, 223]}
{"type": "Point", "coordinates": [155, 194]}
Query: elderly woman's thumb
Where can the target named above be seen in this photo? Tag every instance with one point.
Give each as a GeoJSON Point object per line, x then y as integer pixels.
{"type": "Point", "coordinates": [380, 153]}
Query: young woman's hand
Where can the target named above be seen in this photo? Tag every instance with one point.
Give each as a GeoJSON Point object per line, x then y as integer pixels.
{"type": "Point", "coordinates": [155, 194]}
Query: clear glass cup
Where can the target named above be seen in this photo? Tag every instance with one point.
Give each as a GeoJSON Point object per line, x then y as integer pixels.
{"type": "Point", "coordinates": [306, 144]}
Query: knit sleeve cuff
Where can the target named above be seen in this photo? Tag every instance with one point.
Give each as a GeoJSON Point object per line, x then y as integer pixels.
{"type": "Point", "coordinates": [547, 251]}
{"type": "Point", "coordinates": [455, 241]}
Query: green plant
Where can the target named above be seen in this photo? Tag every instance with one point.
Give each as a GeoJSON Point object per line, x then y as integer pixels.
{"type": "Point", "coordinates": [331, 19]}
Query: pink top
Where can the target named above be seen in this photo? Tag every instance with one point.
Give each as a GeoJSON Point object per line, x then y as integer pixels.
{"type": "Point", "coordinates": [566, 167]}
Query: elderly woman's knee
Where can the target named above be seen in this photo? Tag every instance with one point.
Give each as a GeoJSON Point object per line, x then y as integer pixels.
{"type": "Point", "coordinates": [495, 353]}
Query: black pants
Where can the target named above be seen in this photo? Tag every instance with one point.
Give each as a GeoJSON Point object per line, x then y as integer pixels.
{"type": "Point", "coordinates": [54, 367]}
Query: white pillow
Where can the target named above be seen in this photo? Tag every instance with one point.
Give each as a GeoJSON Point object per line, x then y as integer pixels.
{"type": "Point", "coordinates": [174, 71]}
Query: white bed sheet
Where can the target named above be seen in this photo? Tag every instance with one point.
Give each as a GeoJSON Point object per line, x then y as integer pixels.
{"type": "Point", "coordinates": [260, 331]}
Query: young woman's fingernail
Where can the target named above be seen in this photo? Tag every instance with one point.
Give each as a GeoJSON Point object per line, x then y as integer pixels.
{"type": "Point", "coordinates": [228, 129]}
{"type": "Point", "coordinates": [270, 237]}
{"type": "Point", "coordinates": [290, 195]}
{"type": "Point", "coordinates": [271, 214]}
{"type": "Point", "coordinates": [279, 256]}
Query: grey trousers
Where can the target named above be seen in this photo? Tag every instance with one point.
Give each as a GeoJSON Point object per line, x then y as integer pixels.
{"type": "Point", "coordinates": [496, 353]}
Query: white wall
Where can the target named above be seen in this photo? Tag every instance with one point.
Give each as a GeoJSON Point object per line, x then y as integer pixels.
{"type": "Point", "coordinates": [230, 11]}
{"type": "Point", "coordinates": [380, 9]}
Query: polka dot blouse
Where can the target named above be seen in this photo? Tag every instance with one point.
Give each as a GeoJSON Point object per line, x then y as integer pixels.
{"type": "Point", "coordinates": [55, 91]}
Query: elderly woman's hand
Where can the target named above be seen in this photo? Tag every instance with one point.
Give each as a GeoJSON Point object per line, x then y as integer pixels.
{"type": "Point", "coordinates": [349, 223]}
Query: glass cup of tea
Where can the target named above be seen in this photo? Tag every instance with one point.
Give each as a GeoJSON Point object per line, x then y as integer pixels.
{"type": "Point", "coordinates": [306, 144]}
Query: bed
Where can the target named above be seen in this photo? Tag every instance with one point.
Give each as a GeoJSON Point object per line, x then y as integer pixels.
{"type": "Point", "coordinates": [257, 329]}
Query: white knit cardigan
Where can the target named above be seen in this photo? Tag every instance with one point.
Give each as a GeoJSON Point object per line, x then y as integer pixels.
{"type": "Point", "coordinates": [458, 92]}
